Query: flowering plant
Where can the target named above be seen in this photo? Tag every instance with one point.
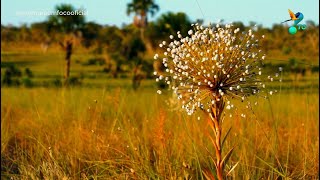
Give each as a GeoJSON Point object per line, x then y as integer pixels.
{"type": "Point", "coordinates": [208, 69]}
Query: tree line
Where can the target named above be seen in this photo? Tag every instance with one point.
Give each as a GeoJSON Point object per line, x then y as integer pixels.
{"type": "Point", "coordinates": [135, 43]}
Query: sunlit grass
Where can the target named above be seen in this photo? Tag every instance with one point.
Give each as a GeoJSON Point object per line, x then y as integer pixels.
{"type": "Point", "coordinates": [118, 133]}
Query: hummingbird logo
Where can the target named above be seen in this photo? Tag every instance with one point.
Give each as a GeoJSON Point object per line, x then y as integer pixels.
{"type": "Point", "coordinates": [296, 18]}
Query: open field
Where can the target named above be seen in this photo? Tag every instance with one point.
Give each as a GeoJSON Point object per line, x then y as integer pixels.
{"type": "Point", "coordinates": [105, 130]}
{"type": "Point", "coordinates": [118, 133]}
{"type": "Point", "coordinates": [102, 129]}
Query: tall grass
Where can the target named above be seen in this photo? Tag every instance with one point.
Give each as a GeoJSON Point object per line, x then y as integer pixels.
{"type": "Point", "coordinates": [88, 133]}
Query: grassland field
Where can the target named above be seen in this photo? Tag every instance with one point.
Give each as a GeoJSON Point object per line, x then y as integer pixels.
{"type": "Point", "coordinates": [102, 129]}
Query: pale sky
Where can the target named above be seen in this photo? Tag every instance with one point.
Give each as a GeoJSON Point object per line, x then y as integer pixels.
{"type": "Point", "coordinates": [113, 12]}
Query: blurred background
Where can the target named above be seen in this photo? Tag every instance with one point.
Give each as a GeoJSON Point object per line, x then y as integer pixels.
{"type": "Point", "coordinates": [118, 40]}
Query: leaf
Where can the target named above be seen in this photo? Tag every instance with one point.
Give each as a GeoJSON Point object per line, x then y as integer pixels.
{"type": "Point", "coordinates": [213, 109]}
{"type": "Point", "coordinates": [207, 174]}
{"type": "Point", "coordinates": [225, 137]}
{"type": "Point", "coordinates": [211, 124]}
{"type": "Point", "coordinates": [232, 168]}
{"type": "Point", "coordinates": [214, 143]}
{"type": "Point", "coordinates": [226, 158]}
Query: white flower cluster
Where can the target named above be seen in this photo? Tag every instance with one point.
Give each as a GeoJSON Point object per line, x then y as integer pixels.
{"type": "Point", "coordinates": [211, 65]}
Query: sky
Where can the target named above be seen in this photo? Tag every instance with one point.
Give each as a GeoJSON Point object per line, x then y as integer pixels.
{"type": "Point", "coordinates": [113, 12]}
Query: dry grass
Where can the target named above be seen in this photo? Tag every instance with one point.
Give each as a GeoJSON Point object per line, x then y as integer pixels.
{"type": "Point", "coordinates": [66, 134]}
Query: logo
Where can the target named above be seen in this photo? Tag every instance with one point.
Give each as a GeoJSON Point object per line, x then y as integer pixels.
{"type": "Point", "coordinates": [296, 18]}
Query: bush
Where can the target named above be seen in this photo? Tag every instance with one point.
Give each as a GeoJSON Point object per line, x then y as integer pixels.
{"type": "Point", "coordinates": [106, 69]}
{"type": "Point", "coordinates": [95, 61]}
{"type": "Point", "coordinates": [27, 82]}
{"type": "Point", "coordinates": [10, 76]}
{"type": "Point", "coordinates": [73, 81]}
{"type": "Point", "coordinates": [315, 69]}
{"type": "Point", "coordinates": [13, 71]}
{"type": "Point", "coordinates": [56, 82]}
{"type": "Point", "coordinates": [28, 72]}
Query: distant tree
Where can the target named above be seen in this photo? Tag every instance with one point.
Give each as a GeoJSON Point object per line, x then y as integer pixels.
{"type": "Point", "coordinates": [112, 37]}
{"type": "Point", "coordinates": [90, 33]}
{"type": "Point", "coordinates": [40, 34]}
{"type": "Point", "coordinates": [167, 24]}
{"type": "Point", "coordinates": [141, 8]}
{"type": "Point", "coordinates": [200, 21]}
{"type": "Point", "coordinates": [239, 25]}
{"type": "Point", "coordinates": [310, 23]}
{"type": "Point", "coordinates": [9, 33]}
{"type": "Point", "coordinates": [313, 36]}
{"type": "Point", "coordinates": [24, 33]}
{"type": "Point", "coordinates": [71, 26]}
{"type": "Point", "coordinates": [134, 48]}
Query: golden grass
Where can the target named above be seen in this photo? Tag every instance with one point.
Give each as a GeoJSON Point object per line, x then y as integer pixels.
{"type": "Point", "coordinates": [66, 134]}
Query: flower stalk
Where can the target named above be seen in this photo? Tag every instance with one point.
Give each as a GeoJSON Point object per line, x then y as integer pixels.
{"type": "Point", "coordinates": [208, 70]}
{"type": "Point", "coordinates": [215, 121]}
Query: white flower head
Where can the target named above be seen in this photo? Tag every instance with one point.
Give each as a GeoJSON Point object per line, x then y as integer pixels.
{"type": "Point", "coordinates": [203, 72]}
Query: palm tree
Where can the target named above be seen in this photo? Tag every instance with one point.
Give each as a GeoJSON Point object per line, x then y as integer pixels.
{"type": "Point", "coordinates": [70, 25]}
{"type": "Point", "coordinates": [141, 8]}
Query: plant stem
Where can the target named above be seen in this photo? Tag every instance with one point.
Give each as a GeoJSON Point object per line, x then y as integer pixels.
{"type": "Point", "coordinates": [216, 126]}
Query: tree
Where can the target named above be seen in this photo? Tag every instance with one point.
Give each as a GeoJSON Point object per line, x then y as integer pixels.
{"type": "Point", "coordinates": [70, 25]}
{"type": "Point", "coordinates": [90, 33]}
{"type": "Point", "coordinates": [141, 8]}
{"type": "Point", "coordinates": [168, 24]}
{"type": "Point", "coordinates": [133, 47]}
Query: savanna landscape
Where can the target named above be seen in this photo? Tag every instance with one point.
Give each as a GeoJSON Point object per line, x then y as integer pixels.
{"type": "Point", "coordinates": [80, 100]}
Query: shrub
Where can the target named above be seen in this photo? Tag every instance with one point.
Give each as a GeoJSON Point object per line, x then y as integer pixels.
{"type": "Point", "coordinates": [314, 69]}
{"type": "Point", "coordinates": [56, 82]}
{"type": "Point", "coordinates": [95, 61]}
{"type": "Point", "coordinates": [74, 81]}
{"type": "Point", "coordinates": [27, 82]}
{"type": "Point", "coordinates": [13, 70]}
{"type": "Point", "coordinates": [28, 72]}
{"type": "Point", "coordinates": [10, 76]}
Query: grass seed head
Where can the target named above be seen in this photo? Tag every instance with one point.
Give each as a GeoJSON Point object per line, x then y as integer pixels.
{"type": "Point", "coordinates": [210, 65]}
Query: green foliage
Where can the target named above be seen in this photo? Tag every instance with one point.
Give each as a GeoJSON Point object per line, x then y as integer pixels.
{"type": "Point", "coordinates": [11, 76]}
{"type": "Point", "coordinates": [142, 6]}
{"type": "Point", "coordinates": [315, 69]}
{"type": "Point", "coordinates": [239, 25]}
{"type": "Point", "coordinates": [73, 81]}
{"type": "Point", "coordinates": [132, 48]}
{"type": "Point", "coordinates": [95, 61]}
{"type": "Point", "coordinates": [27, 82]}
{"type": "Point", "coordinates": [167, 24]}
{"type": "Point", "coordinates": [90, 33]}
{"type": "Point", "coordinates": [295, 67]}
{"type": "Point", "coordinates": [28, 72]}
{"type": "Point", "coordinates": [13, 70]}
{"type": "Point", "coordinates": [56, 82]}
{"type": "Point", "coordinates": [66, 23]}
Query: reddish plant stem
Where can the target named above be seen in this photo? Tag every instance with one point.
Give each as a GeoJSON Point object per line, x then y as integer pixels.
{"type": "Point", "coordinates": [215, 120]}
